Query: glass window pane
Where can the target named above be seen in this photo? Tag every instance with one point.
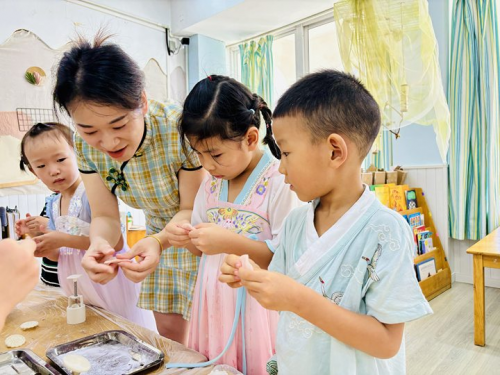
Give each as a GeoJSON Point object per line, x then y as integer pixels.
{"type": "Point", "coordinates": [323, 48]}
{"type": "Point", "coordinates": [284, 64]}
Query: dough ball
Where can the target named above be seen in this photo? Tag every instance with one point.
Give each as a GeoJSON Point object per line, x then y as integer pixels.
{"type": "Point", "coordinates": [15, 341]}
{"type": "Point", "coordinates": [76, 363]}
{"type": "Point", "coordinates": [29, 325]}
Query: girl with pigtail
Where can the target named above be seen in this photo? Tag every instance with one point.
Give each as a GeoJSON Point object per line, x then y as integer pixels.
{"type": "Point", "coordinates": [239, 209]}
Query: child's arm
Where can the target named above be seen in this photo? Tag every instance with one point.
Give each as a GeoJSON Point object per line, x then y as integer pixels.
{"type": "Point", "coordinates": [212, 239]}
{"type": "Point", "coordinates": [49, 242]}
{"type": "Point", "coordinates": [55, 239]}
{"type": "Point", "coordinates": [275, 291]}
{"type": "Point", "coordinates": [192, 210]}
{"type": "Point", "coordinates": [177, 231]}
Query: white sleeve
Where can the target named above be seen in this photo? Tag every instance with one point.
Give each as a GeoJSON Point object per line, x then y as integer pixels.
{"type": "Point", "coordinates": [200, 207]}
{"type": "Point", "coordinates": [282, 200]}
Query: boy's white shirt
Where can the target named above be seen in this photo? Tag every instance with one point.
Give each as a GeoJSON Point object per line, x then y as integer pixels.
{"type": "Point", "coordinates": [317, 246]}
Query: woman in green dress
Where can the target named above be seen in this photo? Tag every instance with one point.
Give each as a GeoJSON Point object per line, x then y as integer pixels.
{"type": "Point", "coordinates": [128, 147]}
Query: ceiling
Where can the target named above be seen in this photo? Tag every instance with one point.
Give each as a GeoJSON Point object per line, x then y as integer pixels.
{"type": "Point", "coordinates": [253, 17]}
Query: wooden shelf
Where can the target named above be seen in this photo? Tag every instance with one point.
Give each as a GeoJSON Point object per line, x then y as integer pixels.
{"type": "Point", "coordinates": [436, 284]}
{"type": "Point", "coordinates": [441, 281]}
{"type": "Point", "coordinates": [431, 254]}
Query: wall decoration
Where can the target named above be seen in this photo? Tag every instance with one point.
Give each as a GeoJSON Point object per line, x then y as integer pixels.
{"type": "Point", "coordinates": [35, 75]}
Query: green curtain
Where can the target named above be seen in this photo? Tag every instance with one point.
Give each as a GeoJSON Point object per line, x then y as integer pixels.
{"type": "Point", "coordinates": [474, 157]}
{"type": "Point", "coordinates": [257, 70]}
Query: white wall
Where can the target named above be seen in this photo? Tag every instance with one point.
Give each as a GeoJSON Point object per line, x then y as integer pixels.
{"type": "Point", "coordinates": [186, 13]}
{"type": "Point", "coordinates": [158, 11]}
{"type": "Point", "coordinates": [206, 56]}
{"type": "Point", "coordinates": [57, 21]}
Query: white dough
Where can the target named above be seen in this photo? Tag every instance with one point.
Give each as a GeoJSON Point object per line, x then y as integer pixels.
{"type": "Point", "coordinates": [136, 356]}
{"type": "Point", "coordinates": [14, 341]}
{"type": "Point", "coordinates": [245, 262]}
{"type": "Point", "coordinates": [116, 260]}
{"type": "Point", "coordinates": [76, 363]}
{"type": "Point", "coordinates": [29, 325]}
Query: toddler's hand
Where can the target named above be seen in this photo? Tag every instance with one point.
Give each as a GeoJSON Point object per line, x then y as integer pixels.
{"type": "Point", "coordinates": [21, 228]}
{"type": "Point", "coordinates": [34, 223]}
{"type": "Point", "coordinates": [47, 242]}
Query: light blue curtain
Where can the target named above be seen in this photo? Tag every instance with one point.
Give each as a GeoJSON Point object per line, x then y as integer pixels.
{"type": "Point", "coordinates": [474, 157]}
{"type": "Point", "coordinates": [257, 70]}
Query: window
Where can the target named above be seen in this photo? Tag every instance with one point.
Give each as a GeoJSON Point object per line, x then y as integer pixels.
{"type": "Point", "coordinates": [323, 48]}
{"type": "Point", "coordinates": [298, 49]}
{"type": "Point", "coordinates": [284, 64]}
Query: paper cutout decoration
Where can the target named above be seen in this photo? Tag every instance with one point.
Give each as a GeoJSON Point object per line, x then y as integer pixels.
{"type": "Point", "coordinates": [35, 76]}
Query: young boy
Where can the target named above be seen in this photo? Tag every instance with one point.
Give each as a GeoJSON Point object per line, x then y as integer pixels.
{"type": "Point", "coordinates": [343, 274]}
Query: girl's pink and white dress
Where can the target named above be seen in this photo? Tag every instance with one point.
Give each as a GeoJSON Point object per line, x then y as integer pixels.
{"type": "Point", "coordinates": [258, 213]}
{"type": "Point", "coordinates": [120, 294]}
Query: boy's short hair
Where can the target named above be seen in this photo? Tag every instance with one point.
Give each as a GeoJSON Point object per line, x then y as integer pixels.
{"type": "Point", "coordinates": [333, 102]}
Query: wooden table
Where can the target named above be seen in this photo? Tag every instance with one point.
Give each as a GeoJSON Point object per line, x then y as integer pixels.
{"type": "Point", "coordinates": [486, 253]}
{"type": "Point", "coordinates": [47, 305]}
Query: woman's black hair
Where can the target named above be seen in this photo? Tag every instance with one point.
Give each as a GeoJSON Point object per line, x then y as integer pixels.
{"type": "Point", "coordinates": [53, 128]}
{"type": "Point", "coordinates": [100, 73]}
{"type": "Point", "coordinates": [219, 106]}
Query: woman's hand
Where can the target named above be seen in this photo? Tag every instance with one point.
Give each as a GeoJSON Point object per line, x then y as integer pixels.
{"type": "Point", "coordinates": [148, 252]}
{"type": "Point", "coordinates": [93, 262]}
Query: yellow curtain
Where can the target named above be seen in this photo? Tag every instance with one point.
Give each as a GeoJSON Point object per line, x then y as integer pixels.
{"type": "Point", "coordinates": [390, 45]}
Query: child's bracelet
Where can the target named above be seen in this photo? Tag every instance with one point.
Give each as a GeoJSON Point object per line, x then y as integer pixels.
{"type": "Point", "coordinates": [157, 239]}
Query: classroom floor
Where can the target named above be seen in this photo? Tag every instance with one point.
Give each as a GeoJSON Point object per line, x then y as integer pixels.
{"type": "Point", "coordinates": [443, 343]}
